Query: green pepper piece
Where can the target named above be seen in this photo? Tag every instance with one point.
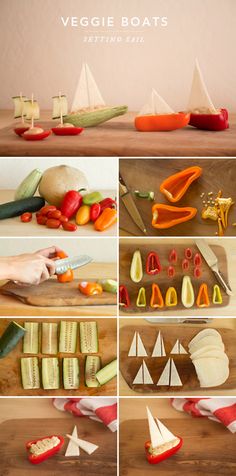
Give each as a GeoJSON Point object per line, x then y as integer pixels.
{"type": "Point", "coordinates": [141, 299]}
{"type": "Point", "coordinates": [147, 195]}
{"type": "Point", "coordinates": [91, 198]}
{"type": "Point", "coordinates": [217, 296]}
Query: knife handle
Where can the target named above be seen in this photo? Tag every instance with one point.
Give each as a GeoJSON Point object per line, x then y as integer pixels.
{"type": "Point", "coordinates": [222, 281]}
{"type": "Point", "coordinates": [123, 189]}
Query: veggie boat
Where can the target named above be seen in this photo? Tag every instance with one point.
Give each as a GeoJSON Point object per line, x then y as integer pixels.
{"type": "Point", "coordinates": [43, 448]}
{"type": "Point", "coordinates": [88, 107]}
{"type": "Point", "coordinates": [60, 110]}
{"type": "Point", "coordinates": [157, 115]}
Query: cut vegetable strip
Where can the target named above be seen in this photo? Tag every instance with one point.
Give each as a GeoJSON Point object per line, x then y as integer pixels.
{"type": "Point", "coordinates": [203, 296]}
{"type": "Point", "coordinates": [217, 296]}
{"type": "Point", "coordinates": [88, 337]}
{"type": "Point", "coordinates": [171, 298]}
{"type": "Point", "coordinates": [136, 268]}
{"type": "Point", "coordinates": [10, 338]}
{"type": "Point", "coordinates": [107, 373]}
{"type": "Point", "coordinates": [124, 299]}
{"type": "Point", "coordinates": [49, 338]}
{"type": "Point", "coordinates": [156, 297]}
{"type": "Point", "coordinates": [141, 298]}
{"type": "Point", "coordinates": [175, 186]}
{"type": "Point", "coordinates": [30, 373]}
{"type": "Point", "coordinates": [71, 373]}
{"type": "Point", "coordinates": [31, 338]}
{"type": "Point", "coordinates": [92, 366]}
{"type": "Point", "coordinates": [187, 292]}
{"type": "Point", "coordinates": [50, 373]}
{"type": "Point", "coordinates": [68, 337]}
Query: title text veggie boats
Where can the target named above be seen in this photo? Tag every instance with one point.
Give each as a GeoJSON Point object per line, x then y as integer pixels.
{"type": "Point", "coordinates": [88, 107]}
{"type": "Point", "coordinates": [157, 115]}
{"type": "Point", "coordinates": [203, 114]}
{"type": "Point", "coordinates": [163, 443]}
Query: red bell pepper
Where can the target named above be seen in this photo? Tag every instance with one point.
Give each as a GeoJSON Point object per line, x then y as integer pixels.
{"type": "Point", "coordinates": [71, 203]}
{"type": "Point", "coordinates": [107, 203]}
{"type": "Point", "coordinates": [39, 458]}
{"type": "Point", "coordinates": [154, 459]}
{"type": "Point", "coordinates": [210, 122]}
{"type": "Point", "coordinates": [95, 211]}
{"type": "Point", "coordinates": [124, 299]}
{"type": "Point", "coordinates": [153, 265]}
{"type": "Point", "coordinates": [40, 136]}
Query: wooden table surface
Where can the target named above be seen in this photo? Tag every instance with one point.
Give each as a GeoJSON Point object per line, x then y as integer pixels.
{"type": "Point", "coordinates": [12, 307]}
{"type": "Point", "coordinates": [229, 245]}
{"type": "Point", "coordinates": [125, 390]}
{"type": "Point", "coordinates": [118, 137]}
{"type": "Point", "coordinates": [14, 226]}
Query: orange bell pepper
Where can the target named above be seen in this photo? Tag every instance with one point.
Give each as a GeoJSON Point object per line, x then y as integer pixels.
{"type": "Point", "coordinates": [68, 276]}
{"type": "Point", "coordinates": [89, 289]}
{"type": "Point", "coordinates": [107, 218]}
{"type": "Point", "coordinates": [166, 216]}
{"type": "Point", "coordinates": [162, 122]}
{"type": "Point", "coordinates": [175, 186]}
{"type": "Point", "coordinates": [203, 296]}
{"type": "Point", "coordinates": [156, 297]}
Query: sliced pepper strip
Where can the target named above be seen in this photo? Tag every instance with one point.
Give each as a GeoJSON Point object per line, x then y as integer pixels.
{"type": "Point", "coordinates": [217, 296]}
{"type": "Point", "coordinates": [141, 298]}
{"type": "Point", "coordinates": [175, 186]}
{"type": "Point", "coordinates": [171, 298]}
{"type": "Point", "coordinates": [166, 216]}
{"type": "Point", "coordinates": [187, 292]}
{"type": "Point", "coordinates": [136, 267]}
{"type": "Point", "coordinates": [89, 289]}
{"type": "Point", "coordinates": [203, 296]}
{"type": "Point", "coordinates": [156, 297]}
{"type": "Point", "coordinates": [36, 459]}
{"type": "Point", "coordinates": [153, 265]}
{"type": "Point", "coordinates": [124, 299]}
{"type": "Point", "coordinates": [154, 459]}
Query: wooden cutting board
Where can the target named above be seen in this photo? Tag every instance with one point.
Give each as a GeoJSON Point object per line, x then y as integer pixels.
{"type": "Point", "coordinates": [51, 293]}
{"type": "Point", "coordinates": [10, 375]}
{"type": "Point", "coordinates": [148, 174]}
{"type": "Point", "coordinates": [14, 434]}
{"type": "Point", "coordinates": [129, 365]}
{"type": "Point", "coordinates": [127, 249]}
{"type": "Point", "coordinates": [208, 449]}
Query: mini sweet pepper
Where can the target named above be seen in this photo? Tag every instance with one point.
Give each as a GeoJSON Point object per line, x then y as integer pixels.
{"type": "Point", "coordinates": [153, 265]}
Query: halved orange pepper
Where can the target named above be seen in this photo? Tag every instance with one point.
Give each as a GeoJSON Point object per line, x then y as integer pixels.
{"type": "Point", "coordinates": [203, 296]}
{"type": "Point", "coordinates": [107, 218]}
{"type": "Point", "coordinates": [166, 216]}
{"type": "Point", "coordinates": [156, 297]}
{"type": "Point", "coordinates": [161, 122]}
{"type": "Point", "coordinates": [89, 289]}
{"type": "Point", "coordinates": [175, 186]}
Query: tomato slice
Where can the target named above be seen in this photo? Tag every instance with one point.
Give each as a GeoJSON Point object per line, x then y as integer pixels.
{"type": "Point", "coordinates": [67, 131]}
{"type": "Point", "coordinates": [40, 136]}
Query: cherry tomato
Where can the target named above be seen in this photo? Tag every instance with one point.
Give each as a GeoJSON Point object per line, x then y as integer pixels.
{"type": "Point", "coordinates": [188, 253]}
{"type": "Point", "coordinates": [185, 264]}
{"type": "Point", "coordinates": [197, 272]}
{"type": "Point", "coordinates": [63, 219]}
{"type": "Point", "coordinates": [197, 260]}
{"type": "Point", "coordinates": [55, 214]}
{"type": "Point", "coordinates": [52, 223]}
{"type": "Point", "coordinates": [41, 220]}
{"type": "Point", "coordinates": [26, 217]}
{"type": "Point", "coordinates": [68, 226]}
{"type": "Point", "coordinates": [66, 277]}
{"type": "Point", "coordinates": [173, 256]}
{"type": "Point", "coordinates": [171, 271]}
{"type": "Point", "coordinates": [48, 208]}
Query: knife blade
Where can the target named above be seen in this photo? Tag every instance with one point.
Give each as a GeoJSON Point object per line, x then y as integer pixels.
{"type": "Point", "coordinates": [62, 265]}
{"type": "Point", "coordinates": [130, 206]}
{"type": "Point", "coordinates": [212, 261]}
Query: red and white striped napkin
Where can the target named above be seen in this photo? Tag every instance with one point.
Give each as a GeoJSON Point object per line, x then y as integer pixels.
{"type": "Point", "coordinates": [103, 410]}
{"type": "Point", "coordinates": [222, 410]}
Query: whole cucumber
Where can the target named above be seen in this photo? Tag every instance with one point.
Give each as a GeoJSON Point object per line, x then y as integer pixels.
{"type": "Point", "coordinates": [28, 187]}
{"type": "Point", "coordinates": [17, 207]}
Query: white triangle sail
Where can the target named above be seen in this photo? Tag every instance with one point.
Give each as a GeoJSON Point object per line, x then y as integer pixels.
{"type": "Point", "coordinates": [165, 376]}
{"type": "Point", "coordinates": [199, 99]}
{"type": "Point", "coordinates": [146, 375]}
{"type": "Point", "coordinates": [175, 380]}
{"type": "Point", "coordinates": [133, 347]}
{"type": "Point", "coordinates": [72, 448]}
{"type": "Point", "coordinates": [166, 434]}
{"type": "Point", "coordinates": [155, 105]}
{"type": "Point", "coordinates": [157, 346]}
{"type": "Point", "coordinates": [141, 351]}
{"type": "Point", "coordinates": [175, 349]}
{"type": "Point", "coordinates": [163, 351]}
{"type": "Point", "coordinates": [155, 434]}
{"type": "Point", "coordinates": [139, 376]}
{"type": "Point", "coordinates": [182, 349]}
{"type": "Point", "coordinates": [87, 94]}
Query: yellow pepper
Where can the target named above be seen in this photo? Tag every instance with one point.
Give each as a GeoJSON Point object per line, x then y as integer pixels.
{"type": "Point", "coordinates": [136, 268]}
{"type": "Point", "coordinates": [171, 297]}
{"type": "Point", "coordinates": [141, 299]}
{"type": "Point", "coordinates": [83, 215]}
{"type": "Point", "coordinates": [217, 296]}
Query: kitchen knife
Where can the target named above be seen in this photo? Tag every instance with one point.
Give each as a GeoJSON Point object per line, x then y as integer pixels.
{"type": "Point", "coordinates": [212, 262]}
{"type": "Point", "coordinates": [130, 206]}
{"type": "Point", "coordinates": [62, 265]}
